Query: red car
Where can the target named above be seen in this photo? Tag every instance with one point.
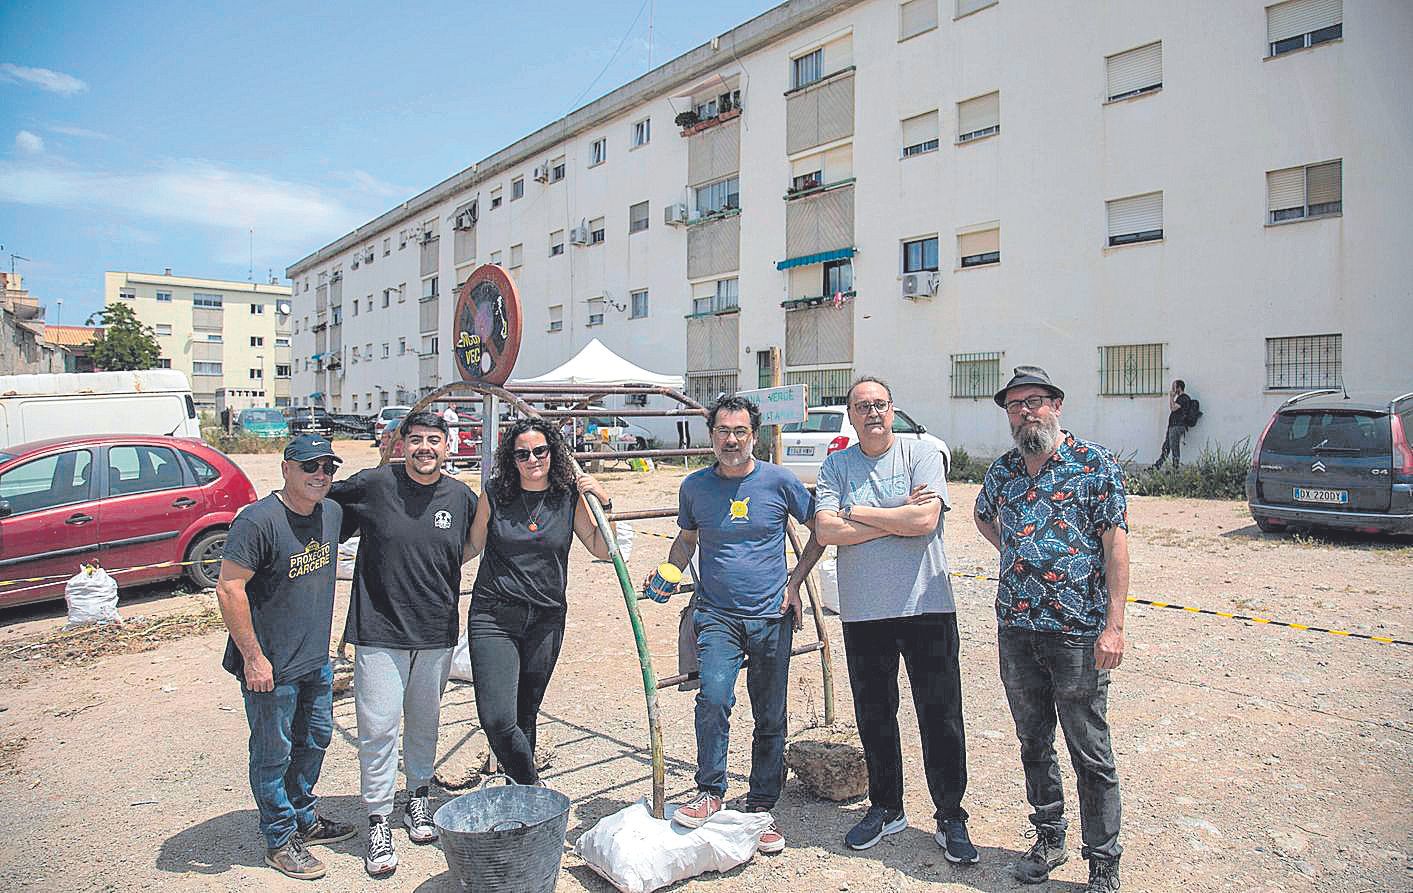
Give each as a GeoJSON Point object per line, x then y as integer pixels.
{"type": "Point", "coordinates": [122, 500]}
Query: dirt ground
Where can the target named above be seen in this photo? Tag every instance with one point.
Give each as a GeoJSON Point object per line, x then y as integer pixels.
{"type": "Point", "coordinates": [1252, 757]}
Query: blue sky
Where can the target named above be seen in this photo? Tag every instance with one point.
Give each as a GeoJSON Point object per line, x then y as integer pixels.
{"type": "Point", "coordinates": [151, 135]}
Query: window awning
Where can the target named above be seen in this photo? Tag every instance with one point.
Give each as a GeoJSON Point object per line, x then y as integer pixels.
{"type": "Point", "coordinates": [821, 257]}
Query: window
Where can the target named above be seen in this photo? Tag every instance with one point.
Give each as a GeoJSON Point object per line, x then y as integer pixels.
{"type": "Point", "coordinates": [386, 350]}
{"type": "Point", "coordinates": [1296, 193]}
{"type": "Point", "coordinates": [728, 294]}
{"type": "Point", "coordinates": [816, 423]}
{"type": "Point", "coordinates": [723, 195]}
{"type": "Point", "coordinates": [1135, 219]}
{"type": "Point", "coordinates": [838, 277]}
{"type": "Point", "coordinates": [920, 134]}
{"type": "Point", "coordinates": [979, 117]}
{"type": "Point", "coordinates": [596, 231]}
{"type": "Point", "coordinates": [979, 247]}
{"type": "Point", "coordinates": [920, 255]}
{"type": "Point", "coordinates": [1135, 71]}
{"type": "Point", "coordinates": [430, 288]}
{"type": "Point", "coordinates": [282, 342]}
{"type": "Point", "coordinates": [48, 482]}
{"type": "Point", "coordinates": [702, 305]}
{"type": "Point", "coordinates": [257, 341]}
{"type": "Point", "coordinates": [556, 242]}
{"type": "Point", "coordinates": [401, 293]}
{"type": "Point", "coordinates": [401, 346]}
{"type": "Point", "coordinates": [637, 217]}
{"type": "Point", "coordinates": [517, 255]}
{"type": "Point", "coordinates": [642, 132]}
{"type": "Point", "coordinates": [517, 188]}
{"type": "Point", "coordinates": [807, 69]}
{"type": "Point", "coordinates": [257, 374]}
{"type": "Point", "coordinates": [556, 318]}
{"type": "Point", "coordinates": [387, 246]}
{"type": "Point", "coordinates": [282, 370]}
{"type": "Point", "coordinates": [495, 258]}
{"type": "Point", "coordinates": [557, 170]}
{"type": "Point", "coordinates": [595, 312]}
{"type": "Point", "coordinates": [164, 362]}
{"type": "Point", "coordinates": [163, 328]}
{"type": "Point", "coordinates": [368, 351]}
{"type": "Point", "coordinates": [967, 7]}
{"type": "Point", "coordinates": [1305, 362]}
{"type": "Point", "coordinates": [1298, 24]}
{"type": "Point", "coordinates": [387, 296]}
{"type": "Point", "coordinates": [198, 299]}
{"type": "Point", "coordinates": [164, 297]}
{"type": "Point", "coordinates": [915, 17]}
{"type": "Point", "coordinates": [807, 181]}
{"type": "Point", "coordinates": [639, 301]}
{"type": "Point", "coordinates": [127, 294]}
{"type": "Point", "coordinates": [598, 152]}
{"type": "Point", "coordinates": [199, 368]}
{"type": "Point", "coordinates": [496, 197]}
{"type": "Point", "coordinates": [257, 309]}
{"type": "Point", "coordinates": [215, 339]}
{"type": "Point", "coordinates": [335, 317]}
{"type": "Point", "coordinates": [401, 239]}
{"type": "Point", "coordinates": [976, 374]}
{"type": "Point", "coordinates": [355, 306]}
{"type": "Point", "coordinates": [1132, 370]}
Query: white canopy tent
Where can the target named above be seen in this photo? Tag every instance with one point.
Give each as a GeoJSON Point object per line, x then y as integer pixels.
{"type": "Point", "coordinates": [597, 365]}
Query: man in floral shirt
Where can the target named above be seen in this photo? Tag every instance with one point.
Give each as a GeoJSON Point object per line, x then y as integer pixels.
{"type": "Point", "coordinates": [1055, 509]}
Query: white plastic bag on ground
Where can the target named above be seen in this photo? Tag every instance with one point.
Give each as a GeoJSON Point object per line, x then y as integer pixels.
{"type": "Point", "coordinates": [461, 660]}
{"type": "Point", "coordinates": [828, 568]}
{"type": "Point", "coordinates": [625, 539]}
{"type": "Point", "coordinates": [348, 554]}
{"type": "Point", "coordinates": [638, 853]}
{"type": "Point", "coordinates": [92, 597]}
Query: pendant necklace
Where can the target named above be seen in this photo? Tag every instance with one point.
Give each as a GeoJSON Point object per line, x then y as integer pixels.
{"type": "Point", "coordinates": [535, 515]}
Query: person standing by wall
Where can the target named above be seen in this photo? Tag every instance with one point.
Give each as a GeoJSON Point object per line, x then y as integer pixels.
{"type": "Point", "coordinates": [1178, 419]}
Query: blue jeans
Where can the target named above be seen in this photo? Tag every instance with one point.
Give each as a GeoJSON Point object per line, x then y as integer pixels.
{"type": "Point", "coordinates": [723, 644]}
{"type": "Point", "coordinates": [290, 728]}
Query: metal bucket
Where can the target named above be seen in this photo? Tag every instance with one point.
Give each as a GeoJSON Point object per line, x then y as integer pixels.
{"type": "Point", "coordinates": [504, 839]}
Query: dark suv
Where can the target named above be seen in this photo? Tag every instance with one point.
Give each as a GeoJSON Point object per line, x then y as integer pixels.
{"type": "Point", "coordinates": [1327, 461]}
{"type": "Point", "coordinates": [309, 420]}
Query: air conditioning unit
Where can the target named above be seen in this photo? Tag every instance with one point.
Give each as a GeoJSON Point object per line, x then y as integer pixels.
{"type": "Point", "coordinates": [675, 215]}
{"type": "Point", "coordinates": [368, 258]}
{"type": "Point", "coordinates": [355, 262]}
{"type": "Point", "coordinates": [579, 235]}
{"type": "Point", "coordinates": [336, 276]}
{"type": "Point", "coordinates": [426, 237]}
{"type": "Point", "coordinates": [542, 173]}
{"type": "Point", "coordinates": [920, 285]}
{"type": "Point", "coordinates": [464, 220]}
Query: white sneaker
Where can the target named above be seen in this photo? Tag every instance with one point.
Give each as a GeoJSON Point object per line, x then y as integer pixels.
{"type": "Point", "coordinates": [381, 860]}
{"type": "Point", "coordinates": [417, 817]}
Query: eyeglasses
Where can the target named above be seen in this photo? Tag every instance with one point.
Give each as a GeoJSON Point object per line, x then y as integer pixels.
{"type": "Point", "coordinates": [523, 455]}
{"type": "Point", "coordinates": [864, 407]}
{"type": "Point", "coordinates": [310, 466]}
{"type": "Point", "coordinates": [738, 433]}
{"type": "Point", "coordinates": [1032, 403]}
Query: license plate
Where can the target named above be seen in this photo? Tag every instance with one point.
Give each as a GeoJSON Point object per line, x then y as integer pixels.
{"type": "Point", "coordinates": [799, 451]}
{"type": "Point", "coordinates": [1329, 497]}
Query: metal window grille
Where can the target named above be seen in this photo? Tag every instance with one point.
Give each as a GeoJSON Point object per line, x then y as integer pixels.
{"type": "Point", "coordinates": [976, 374]}
{"type": "Point", "coordinates": [827, 387]}
{"type": "Point", "coordinates": [1132, 370]}
{"type": "Point", "coordinates": [1304, 362]}
{"type": "Point", "coordinates": [706, 387]}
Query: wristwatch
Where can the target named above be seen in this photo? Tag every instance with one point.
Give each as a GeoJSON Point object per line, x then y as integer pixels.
{"type": "Point", "coordinates": [607, 504]}
{"type": "Point", "coordinates": [847, 511]}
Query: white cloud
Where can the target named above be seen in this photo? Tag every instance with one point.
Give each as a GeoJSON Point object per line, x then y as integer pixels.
{"type": "Point", "coordinates": [27, 143]}
{"type": "Point", "coordinates": [367, 184]}
{"type": "Point", "coordinates": [83, 132]}
{"type": "Point", "coordinates": [43, 78]}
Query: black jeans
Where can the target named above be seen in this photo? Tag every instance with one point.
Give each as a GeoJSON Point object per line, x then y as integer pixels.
{"type": "Point", "coordinates": [928, 645]}
{"type": "Point", "coordinates": [1048, 675]}
{"type": "Point", "coordinates": [514, 647]}
{"type": "Point", "coordinates": [1172, 443]}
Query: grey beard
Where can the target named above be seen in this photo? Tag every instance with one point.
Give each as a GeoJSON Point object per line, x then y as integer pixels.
{"type": "Point", "coordinates": [1037, 440]}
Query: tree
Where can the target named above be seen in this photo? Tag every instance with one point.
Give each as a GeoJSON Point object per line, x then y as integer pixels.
{"type": "Point", "coordinates": [125, 343]}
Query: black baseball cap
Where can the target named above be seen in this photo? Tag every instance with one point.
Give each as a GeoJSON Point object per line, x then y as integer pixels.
{"type": "Point", "coordinates": [309, 446]}
{"type": "Point", "coordinates": [1032, 375]}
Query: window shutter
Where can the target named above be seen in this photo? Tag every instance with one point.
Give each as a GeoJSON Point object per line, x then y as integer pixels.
{"type": "Point", "coordinates": [979, 113]}
{"type": "Point", "coordinates": [1138, 214]}
{"type": "Point", "coordinates": [917, 16]}
{"type": "Point", "coordinates": [1301, 17]}
{"type": "Point", "coordinates": [969, 6]}
{"type": "Point", "coordinates": [984, 242]}
{"type": "Point", "coordinates": [802, 166]}
{"type": "Point", "coordinates": [920, 129]}
{"type": "Point", "coordinates": [1285, 189]}
{"type": "Point", "coordinates": [1136, 69]}
{"type": "Point", "coordinates": [1322, 184]}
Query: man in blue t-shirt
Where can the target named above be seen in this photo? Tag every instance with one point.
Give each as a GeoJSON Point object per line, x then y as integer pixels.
{"type": "Point", "coordinates": [735, 511]}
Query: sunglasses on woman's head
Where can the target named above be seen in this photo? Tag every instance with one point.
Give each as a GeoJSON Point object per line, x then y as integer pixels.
{"type": "Point", "coordinates": [539, 452]}
{"type": "Point", "coordinates": [310, 466]}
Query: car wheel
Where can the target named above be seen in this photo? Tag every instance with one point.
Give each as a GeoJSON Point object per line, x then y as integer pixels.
{"type": "Point", "coordinates": [205, 553]}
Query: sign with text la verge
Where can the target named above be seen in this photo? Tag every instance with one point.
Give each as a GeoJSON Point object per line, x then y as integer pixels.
{"type": "Point", "coordinates": [778, 406]}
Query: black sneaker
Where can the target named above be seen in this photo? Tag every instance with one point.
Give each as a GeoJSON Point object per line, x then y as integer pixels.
{"type": "Point", "coordinates": [877, 822]}
{"type": "Point", "coordinates": [293, 860]}
{"type": "Point", "coordinates": [326, 830]}
{"type": "Point", "coordinates": [1048, 852]}
{"type": "Point", "coordinates": [381, 860]}
{"type": "Point", "coordinates": [1103, 876]}
{"type": "Point", "coordinates": [956, 845]}
{"type": "Point", "coordinates": [417, 817]}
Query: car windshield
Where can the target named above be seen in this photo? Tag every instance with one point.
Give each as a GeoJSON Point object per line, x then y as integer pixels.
{"type": "Point", "coordinates": [261, 416]}
{"type": "Point", "coordinates": [395, 413]}
{"type": "Point", "coordinates": [817, 423]}
{"type": "Point", "coordinates": [1302, 433]}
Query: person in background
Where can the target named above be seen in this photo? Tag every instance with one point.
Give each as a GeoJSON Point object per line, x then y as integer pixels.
{"type": "Point", "coordinates": [1177, 424]}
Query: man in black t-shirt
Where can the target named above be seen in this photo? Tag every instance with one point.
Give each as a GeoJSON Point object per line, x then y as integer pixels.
{"type": "Point", "coordinates": [1177, 424]}
{"type": "Point", "coordinates": [402, 618]}
{"type": "Point", "coordinates": [276, 593]}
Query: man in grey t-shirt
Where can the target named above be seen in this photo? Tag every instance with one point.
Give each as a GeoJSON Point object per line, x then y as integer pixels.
{"type": "Point", "coordinates": [881, 502]}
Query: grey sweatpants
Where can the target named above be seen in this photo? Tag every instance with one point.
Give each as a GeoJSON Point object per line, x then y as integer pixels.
{"type": "Point", "coordinates": [392, 684]}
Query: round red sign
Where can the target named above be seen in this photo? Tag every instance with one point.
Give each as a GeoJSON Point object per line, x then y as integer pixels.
{"type": "Point", "coordinates": [485, 327]}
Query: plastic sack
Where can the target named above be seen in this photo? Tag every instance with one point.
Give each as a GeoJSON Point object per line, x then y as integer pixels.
{"type": "Point", "coordinates": [625, 539]}
{"type": "Point", "coordinates": [637, 853]}
{"type": "Point", "coordinates": [461, 660]}
{"type": "Point", "coordinates": [92, 597]}
{"type": "Point", "coordinates": [348, 554]}
{"type": "Point", "coordinates": [828, 568]}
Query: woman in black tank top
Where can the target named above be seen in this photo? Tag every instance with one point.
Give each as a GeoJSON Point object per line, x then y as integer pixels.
{"type": "Point", "coordinates": [523, 528]}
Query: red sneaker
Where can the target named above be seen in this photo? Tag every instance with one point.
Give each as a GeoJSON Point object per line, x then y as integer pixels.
{"type": "Point", "coordinates": [696, 812]}
{"type": "Point", "coordinates": [771, 840]}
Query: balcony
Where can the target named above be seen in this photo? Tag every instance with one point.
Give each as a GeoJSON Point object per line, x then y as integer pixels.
{"type": "Point", "coordinates": [428, 312]}
{"type": "Point", "coordinates": [714, 155]}
{"type": "Point", "coordinates": [427, 366]}
{"type": "Point", "coordinates": [713, 343]}
{"type": "Point", "coordinates": [207, 319]}
{"type": "Point", "coordinates": [820, 221]}
{"type": "Point", "coordinates": [714, 246]}
{"type": "Point", "coordinates": [820, 335]}
{"type": "Point", "coordinates": [820, 113]}
{"type": "Point", "coordinates": [692, 125]}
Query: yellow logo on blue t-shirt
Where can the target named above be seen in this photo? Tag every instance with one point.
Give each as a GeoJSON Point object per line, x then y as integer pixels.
{"type": "Point", "coordinates": [740, 510]}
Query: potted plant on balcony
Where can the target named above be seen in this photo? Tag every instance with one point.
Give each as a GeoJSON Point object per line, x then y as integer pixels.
{"type": "Point", "coordinates": [686, 119]}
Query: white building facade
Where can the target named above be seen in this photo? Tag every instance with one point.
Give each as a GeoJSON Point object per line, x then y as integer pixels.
{"type": "Point", "coordinates": [933, 192]}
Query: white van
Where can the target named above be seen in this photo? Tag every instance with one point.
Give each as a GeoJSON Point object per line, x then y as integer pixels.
{"type": "Point", "coordinates": [37, 407]}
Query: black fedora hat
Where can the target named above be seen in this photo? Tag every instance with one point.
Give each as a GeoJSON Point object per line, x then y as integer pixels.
{"type": "Point", "coordinates": [1025, 375]}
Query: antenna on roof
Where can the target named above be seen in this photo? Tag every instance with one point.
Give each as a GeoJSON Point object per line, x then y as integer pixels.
{"type": "Point", "coordinates": [250, 273]}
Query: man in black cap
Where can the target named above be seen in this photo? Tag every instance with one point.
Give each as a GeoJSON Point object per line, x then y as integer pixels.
{"type": "Point", "coordinates": [276, 593]}
{"type": "Point", "coordinates": [1055, 509]}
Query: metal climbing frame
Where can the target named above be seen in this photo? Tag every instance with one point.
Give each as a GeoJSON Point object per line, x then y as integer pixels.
{"type": "Point", "coordinates": [521, 398]}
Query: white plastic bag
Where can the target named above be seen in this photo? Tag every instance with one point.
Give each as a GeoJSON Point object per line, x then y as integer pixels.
{"type": "Point", "coordinates": [828, 568]}
{"type": "Point", "coordinates": [625, 539]}
{"type": "Point", "coordinates": [92, 597]}
{"type": "Point", "coordinates": [461, 660]}
{"type": "Point", "coordinates": [639, 854]}
{"type": "Point", "coordinates": [348, 554]}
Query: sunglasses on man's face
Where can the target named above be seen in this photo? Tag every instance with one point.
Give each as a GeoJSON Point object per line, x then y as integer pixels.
{"type": "Point", "coordinates": [310, 466]}
{"type": "Point", "coordinates": [539, 452]}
